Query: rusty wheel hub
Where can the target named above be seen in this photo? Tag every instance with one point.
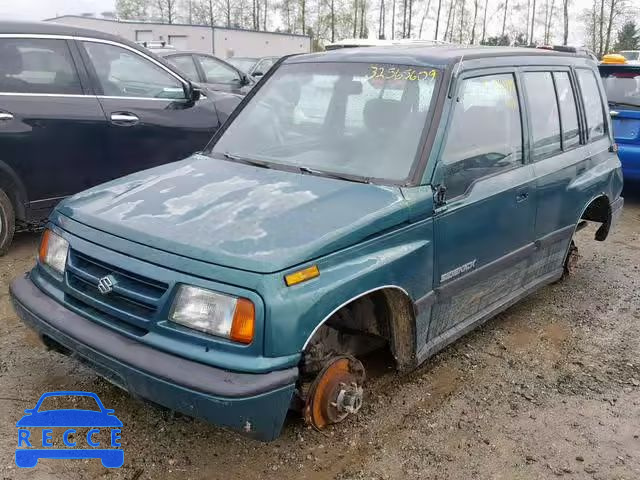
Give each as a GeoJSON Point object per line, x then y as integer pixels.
{"type": "Point", "coordinates": [335, 393]}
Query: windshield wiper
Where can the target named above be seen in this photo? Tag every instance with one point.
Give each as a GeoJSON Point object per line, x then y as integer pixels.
{"type": "Point", "coordinates": [246, 160]}
{"type": "Point", "coordinates": [339, 176]}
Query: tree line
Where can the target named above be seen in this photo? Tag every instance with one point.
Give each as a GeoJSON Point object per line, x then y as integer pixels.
{"type": "Point", "coordinates": [487, 22]}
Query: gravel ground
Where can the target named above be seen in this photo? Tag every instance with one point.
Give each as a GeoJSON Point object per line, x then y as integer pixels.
{"type": "Point", "coordinates": [548, 389]}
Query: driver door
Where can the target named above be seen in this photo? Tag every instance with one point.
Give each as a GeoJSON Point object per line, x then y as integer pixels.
{"type": "Point", "coordinates": [484, 230]}
{"type": "Point", "coordinates": [150, 120]}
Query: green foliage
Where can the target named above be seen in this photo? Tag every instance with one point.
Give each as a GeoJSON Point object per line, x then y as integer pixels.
{"type": "Point", "coordinates": [628, 37]}
{"type": "Point", "coordinates": [499, 40]}
{"type": "Point", "coordinates": [132, 9]}
{"type": "Point", "coordinates": [520, 40]}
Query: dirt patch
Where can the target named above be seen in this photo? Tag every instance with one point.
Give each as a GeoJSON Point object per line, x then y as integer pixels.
{"type": "Point", "coordinates": [548, 389]}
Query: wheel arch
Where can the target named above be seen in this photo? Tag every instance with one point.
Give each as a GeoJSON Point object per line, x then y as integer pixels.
{"type": "Point", "coordinates": [399, 319]}
{"type": "Point", "coordinates": [598, 209]}
{"type": "Point", "coordinates": [11, 184]}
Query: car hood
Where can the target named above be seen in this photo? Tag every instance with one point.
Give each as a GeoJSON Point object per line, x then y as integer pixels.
{"type": "Point", "coordinates": [237, 215]}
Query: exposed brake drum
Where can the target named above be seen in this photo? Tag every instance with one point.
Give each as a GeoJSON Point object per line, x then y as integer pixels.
{"type": "Point", "coordinates": [335, 393]}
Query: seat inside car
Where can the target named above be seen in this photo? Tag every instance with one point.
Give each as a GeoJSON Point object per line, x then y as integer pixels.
{"type": "Point", "coordinates": [10, 66]}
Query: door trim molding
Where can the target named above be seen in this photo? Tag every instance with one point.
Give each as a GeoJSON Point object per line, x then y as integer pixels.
{"type": "Point", "coordinates": [455, 286]}
{"type": "Point", "coordinates": [451, 335]}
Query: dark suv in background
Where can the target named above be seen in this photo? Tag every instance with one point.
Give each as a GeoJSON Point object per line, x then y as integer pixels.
{"type": "Point", "coordinates": [209, 72]}
{"type": "Point", "coordinates": [79, 107]}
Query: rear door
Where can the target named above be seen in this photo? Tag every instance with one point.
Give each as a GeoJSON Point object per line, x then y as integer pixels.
{"type": "Point", "coordinates": [151, 122]}
{"type": "Point", "coordinates": [52, 128]}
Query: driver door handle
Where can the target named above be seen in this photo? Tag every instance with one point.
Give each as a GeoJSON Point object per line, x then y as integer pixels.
{"type": "Point", "coordinates": [124, 119]}
{"type": "Point", "coordinates": [5, 116]}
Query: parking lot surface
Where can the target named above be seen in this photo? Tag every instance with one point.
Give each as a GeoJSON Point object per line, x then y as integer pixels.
{"type": "Point", "coordinates": [548, 389]}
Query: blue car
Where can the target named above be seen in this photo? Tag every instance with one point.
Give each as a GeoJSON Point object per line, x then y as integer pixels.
{"type": "Point", "coordinates": [621, 80]}
{"type": "Point", "coordinates": [68, 418]}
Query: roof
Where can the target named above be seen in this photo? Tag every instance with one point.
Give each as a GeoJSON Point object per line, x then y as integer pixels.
{"type": "Point", "coordinates": [366, 42]}
{"type": "Point", "coordinates": [43, 28]}
{"type": "Point", "coordinates": [141, 22]}
{"type": "Point", "coordinates": [427, 55]}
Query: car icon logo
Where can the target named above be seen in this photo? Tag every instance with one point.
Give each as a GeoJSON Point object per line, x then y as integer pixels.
{"type": "Point", "coordinates": [106, 284]}
{"type": "Point", "coordinates": [102, 439]}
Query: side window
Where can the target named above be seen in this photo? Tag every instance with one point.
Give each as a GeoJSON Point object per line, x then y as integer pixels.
{"type": "Point", "coordinates": [123, 73]}
{"type": "Point", "coordinates": [37, 66]}
{"type": "Point", "coordinates": [217, 72]}
{"type": "Point", "coordinates": [545, 119]}
{"type": "Point", "coordinates": [186, 65]}
{"type": "Point", "coordinates": [264, 66]}
{"type": "Point", "coordinates": [568, 110]}
{"type": "Point", "coordinates": [485, 134]}
{"type": "Point", "coordinates": [592, 103]}
{"type": "Point", "coordinates": [314, 101]}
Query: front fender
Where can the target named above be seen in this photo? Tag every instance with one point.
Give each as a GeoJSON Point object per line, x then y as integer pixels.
{"type": "Point", "coordinates": [401, 259]}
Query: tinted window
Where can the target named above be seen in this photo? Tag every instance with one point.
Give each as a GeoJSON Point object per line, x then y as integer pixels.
{"type": "Point", "coordinates": [545, 119]}
{"type": "Point", "coordinates": [123, 73]}
{"type": "Point", "coordinates": [592, 103]}
{"type": "Point", "coordinates": [37, 66]}
{"type": "Point", "coordinates": [568, 110]}
{"type": "Point", "coordinates": [218, 72]}
{"type": "Point", "coordinates": [186, 65]}
{"type": "Point", "coordinates": [485, 134]}
{"type": "Point", "coordinates": [622, 84]}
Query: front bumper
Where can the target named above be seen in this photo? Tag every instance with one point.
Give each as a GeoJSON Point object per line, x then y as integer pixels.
{"type": "Point", "coordinates": [254, 404]}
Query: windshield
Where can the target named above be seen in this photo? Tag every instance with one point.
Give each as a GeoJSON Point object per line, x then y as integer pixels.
{"type": "Point", "coordinates": [631, 54]}
{"type": "Point", "coordinates": [622, 85]}
{"type": "Point", "coordinates": [244, 64]}
{"type": "Point", "coordinates": [358, 119]}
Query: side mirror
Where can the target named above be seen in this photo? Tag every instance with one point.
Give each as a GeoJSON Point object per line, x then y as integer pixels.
{"type": "Point", "coordinates": [193, 92]}
{"type": "Point", "coordinates": [257, 74]}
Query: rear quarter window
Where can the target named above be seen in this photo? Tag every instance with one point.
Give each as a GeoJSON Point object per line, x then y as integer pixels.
{"type": "Point", "coordinates": [592, 103]}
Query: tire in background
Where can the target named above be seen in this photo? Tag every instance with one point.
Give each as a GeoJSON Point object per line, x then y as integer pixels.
{"type": "Point", "coordinates": [7, 222]}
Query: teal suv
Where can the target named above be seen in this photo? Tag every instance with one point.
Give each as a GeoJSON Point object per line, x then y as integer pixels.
{"type": "Point", "coordinates": [357, 200]}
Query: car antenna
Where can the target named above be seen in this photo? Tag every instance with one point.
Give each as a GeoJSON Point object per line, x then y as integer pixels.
{"type": "Point", "coordinates": [455, 76]}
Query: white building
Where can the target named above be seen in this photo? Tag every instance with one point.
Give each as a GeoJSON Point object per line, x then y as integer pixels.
{"type": "Point", "coordinates": [221, 41]}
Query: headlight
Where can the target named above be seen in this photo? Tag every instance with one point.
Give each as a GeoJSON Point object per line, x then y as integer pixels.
{"type": "Point", "coordinates": [53, 251]}
{"type": "Point", "coordinates": [214, 313]}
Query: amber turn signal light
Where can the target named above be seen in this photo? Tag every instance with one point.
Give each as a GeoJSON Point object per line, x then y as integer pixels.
{"type": "Point", "coordinates": [302, 275]}
{"type": "Point", "coordinates": [243, 325]}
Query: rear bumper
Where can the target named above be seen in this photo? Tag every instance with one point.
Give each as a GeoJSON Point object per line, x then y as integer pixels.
{"type": "Point", "coordinates": [254, 404]}
{"type": "Point", "coordinates": [616, 211]}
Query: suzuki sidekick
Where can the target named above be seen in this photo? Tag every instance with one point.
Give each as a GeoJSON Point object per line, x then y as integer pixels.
{"type": "Point", "coordinates": [360, 199]}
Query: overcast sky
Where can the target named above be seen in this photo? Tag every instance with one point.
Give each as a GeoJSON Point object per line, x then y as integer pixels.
{"type": "Point", "coordinates": [41, 9]}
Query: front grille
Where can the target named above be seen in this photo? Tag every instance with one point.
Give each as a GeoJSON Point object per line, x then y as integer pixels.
{"type": "Point", "coordinates": [134, 297]}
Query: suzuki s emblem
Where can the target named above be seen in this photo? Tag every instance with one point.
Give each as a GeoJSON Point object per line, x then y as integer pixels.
{"type": "Point", "coordinates": [106, 284]}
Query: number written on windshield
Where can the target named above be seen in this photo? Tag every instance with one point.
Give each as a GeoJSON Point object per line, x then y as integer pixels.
{"type": "Point", "coordinates": [377, 72]}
